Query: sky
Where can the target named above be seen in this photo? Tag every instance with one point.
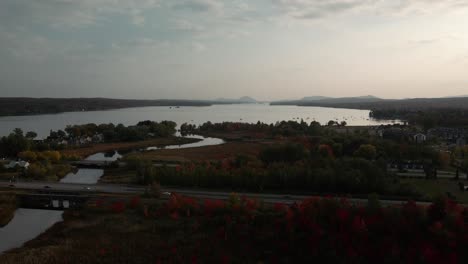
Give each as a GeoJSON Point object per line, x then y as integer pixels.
{"type": "Point", "coordinates": [205, 49]}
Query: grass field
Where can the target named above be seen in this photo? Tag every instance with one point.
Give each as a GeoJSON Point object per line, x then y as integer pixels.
{"type": "Point", "coordinates": [6, 176]}
{"type": "Point", "coordinates": [118, 175]}
{"type": "Point", "coordinates": [432, 188]}
{"type": "Point", "coordinates": [207, 153]}
{"type": "Point", "coordinates": [7, 208]}
{"type": "Point", "coordinates": [230, 149]}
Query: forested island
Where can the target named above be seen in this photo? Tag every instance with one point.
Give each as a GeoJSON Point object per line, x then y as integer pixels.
{"type": "Point", "coordinates": [425, 112]}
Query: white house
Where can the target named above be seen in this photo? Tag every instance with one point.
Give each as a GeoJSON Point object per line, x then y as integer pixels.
{"type": "Point", "coordinates": [22, 164]}
{"type": "Point", "coordinates": [419, 138]}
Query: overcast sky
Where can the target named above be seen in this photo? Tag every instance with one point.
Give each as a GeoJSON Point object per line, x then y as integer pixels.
{"type": "Point", "coordinates": [203, 49]}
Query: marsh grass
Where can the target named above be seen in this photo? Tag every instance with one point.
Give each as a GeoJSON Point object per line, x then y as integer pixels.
{"type": "Point", "coordinates": [7, 208]}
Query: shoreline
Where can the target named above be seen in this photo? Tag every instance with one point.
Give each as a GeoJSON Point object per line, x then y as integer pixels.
{"type": "Point", "coordinates": [8, 207]}
{"type": "Point", "coordinates": [106, 147]}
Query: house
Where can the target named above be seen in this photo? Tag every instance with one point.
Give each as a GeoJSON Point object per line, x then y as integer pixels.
{"type": "Point", "coordinates": [380, 133]}
{"type": "Point", "coordinates": [98, 138]}
{"type": "Point", "coordinates": [394, 133]}
{"type": "Point", "coordinates": [450, 135]}
{"type": "Point", "coordinates": [461, 141]}
{"type": "Point", "coordinates": [21, 164]}
{"type": "Point", "coordinates": [419, 138]}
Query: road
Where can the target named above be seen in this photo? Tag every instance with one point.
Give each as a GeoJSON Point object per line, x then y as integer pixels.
{"type": "Point", "coordinates": [74, 187]}
{"type": "Point", "coordinates": [204, 194]}
{"type": "Point", "coordinates": [417, 173]}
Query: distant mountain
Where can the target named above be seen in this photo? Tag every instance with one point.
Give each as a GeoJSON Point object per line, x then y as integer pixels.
{"type": "Point", "coordinates": [315, 98]}
{"type": "Point", "coordinates": [379, 106]}
{"type": "Point", "coordinates": [358, 99]}
{"type": "Point", "coordinates": [242, 100]}
{"type": "Point", "coordinates": [328, 100]}
{"type": "Point", "coordinates": [247, 99]}
{"type": "Point", "coordinates": [456, 96]}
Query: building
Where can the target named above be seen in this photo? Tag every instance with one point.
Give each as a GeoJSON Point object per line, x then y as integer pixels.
{"type": "Point", "coordinates": [419, 138]}
{"type": "Point", "coordinates": [448, 134]}
{"type": "Point", "coordinates": [461, 141]}
{"type": "Point", "coordinates": [21, 164]}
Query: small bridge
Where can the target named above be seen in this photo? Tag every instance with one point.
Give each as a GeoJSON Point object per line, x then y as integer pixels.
{"type": "Point", "coordinates": [52, 200]}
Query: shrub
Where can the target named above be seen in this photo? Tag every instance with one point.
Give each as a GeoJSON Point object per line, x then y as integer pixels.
{"type": "Point", "coordinates": [283, 153]}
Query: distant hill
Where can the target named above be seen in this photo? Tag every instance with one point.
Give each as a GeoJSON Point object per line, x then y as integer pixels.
{"type": "Point", "coordinates": [315, 98]}
{"type": "Point", "coordinates": [34, 106]}
{"type": "Point", "coordinates": [242, 100]}
{"type": "Point", "coordinates": [456, 96]}
{"type": "Point", "coordinates": [247, 99]}
{"type": "Point", "coordinates": [328, 100]}
{"type": "Point", "coordinates": [10, 106]}
{"type": "Point", "coordinates": [358, 99]}
{"type": "Point", "coordinates": [378, 104]}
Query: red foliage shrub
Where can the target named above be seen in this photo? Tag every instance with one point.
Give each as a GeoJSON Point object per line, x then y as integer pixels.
{"type": "Point", "coordinates": [320, 229]}
{"type": "Point", "coordinates": [135, 202]}
{"type": "Point", "coordinates": [118, 207]}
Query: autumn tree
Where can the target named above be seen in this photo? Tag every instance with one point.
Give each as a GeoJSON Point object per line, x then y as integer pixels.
{"type": "Point", "coordinates": [366, 151]}
{"type": "Point", "coordinates": [27, 155]}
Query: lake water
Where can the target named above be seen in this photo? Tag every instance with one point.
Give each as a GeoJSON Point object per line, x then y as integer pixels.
{"type": "Point", "coordinates": [84, 176]}
{"type": "Point", "coordinates": [42, 124]}
{"type": "Point", "coordinates": [26, 225]}
{"type": "Point", "coordinates": [205, 141]}
{"type": "Point", "coordinates": [29, 223]}
{"type": "Point", "coordinates": [109, 156]}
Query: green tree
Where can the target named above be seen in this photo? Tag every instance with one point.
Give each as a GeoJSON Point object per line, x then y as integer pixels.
{"type": "Point", "coordinates": [18, 132]}
{"type": "Point", "coordinates": [366, 151]}
{"type": "Point", "coordinates": [283, 153]}
{"type": "Point", "coordinates": [31, 135]}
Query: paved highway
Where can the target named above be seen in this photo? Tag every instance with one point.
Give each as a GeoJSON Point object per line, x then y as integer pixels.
{"type": "Point", "coordinates": [417, 173]}
{"type": "Point", "coordinates": [127, 189]}
{"type": "Point", "coordinates": [74, 187]}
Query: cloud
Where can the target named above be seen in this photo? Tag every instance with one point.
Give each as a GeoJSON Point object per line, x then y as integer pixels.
{"type": "Point", "coordinates": [71, 13]}
{"type": "Point", "coordinates": [199, 5]}
{"type": "Point", "coordinates": [185, 25]}
{"type": "Point", "coordinates": [141, 43]}
{"type": "Point", "coordinates": [425, 41]}
{"type": "Point", "coordinates": [429, 41]}
{"type": "Point", "coordinates": [313, 9]}
{"type": "Point", "coordinates": [198, 47]}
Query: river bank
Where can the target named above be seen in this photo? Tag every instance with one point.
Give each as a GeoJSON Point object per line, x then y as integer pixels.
{"type": "Point", "coordinates": [82, 235]}
{"type": "Point", "coordinates": [122, 146]}
{"type": "Point", "coordinates": [7, 208]}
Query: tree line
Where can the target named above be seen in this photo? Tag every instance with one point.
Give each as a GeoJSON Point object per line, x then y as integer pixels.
{"type": "Point", "coordinates": [18, 141]}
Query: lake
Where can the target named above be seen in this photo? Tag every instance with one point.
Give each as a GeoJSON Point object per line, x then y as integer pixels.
{"type": "Point", "coordinates": [42, 124]}
{"type": "Point", "coordinates": [26, 225]}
